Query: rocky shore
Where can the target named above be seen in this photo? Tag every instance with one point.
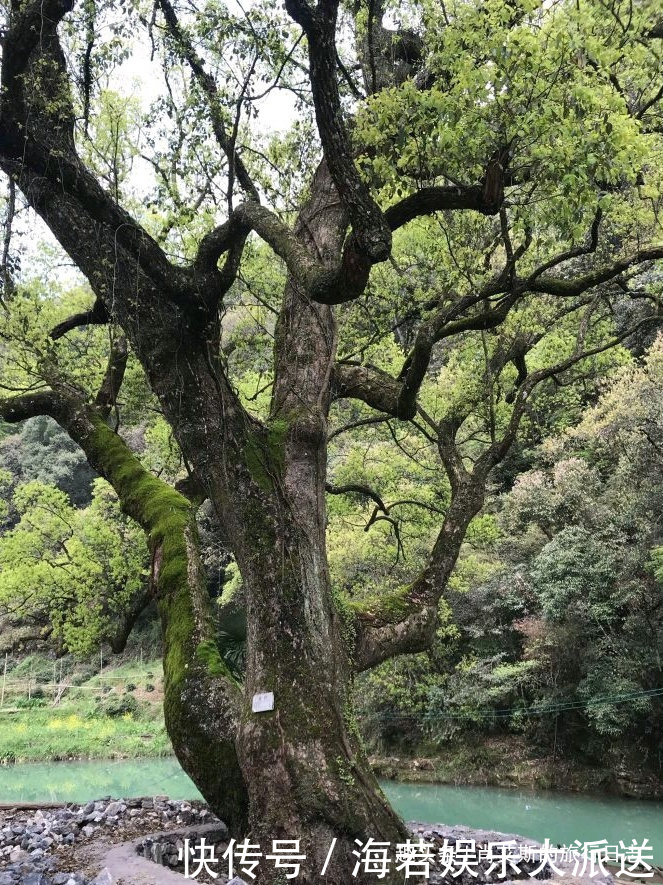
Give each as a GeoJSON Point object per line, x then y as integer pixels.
{"type": "Point", "coordinates": [62, 846]}
{"type": "Point", "coordinates": [132, 841]}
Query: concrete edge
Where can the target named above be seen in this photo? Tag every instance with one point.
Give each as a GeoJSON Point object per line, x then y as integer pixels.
{"type": "Point", "coordinates": [122, 863]}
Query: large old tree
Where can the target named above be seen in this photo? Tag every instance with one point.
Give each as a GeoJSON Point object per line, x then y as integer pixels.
{"type": "Point", "coordinates": [480, 172]}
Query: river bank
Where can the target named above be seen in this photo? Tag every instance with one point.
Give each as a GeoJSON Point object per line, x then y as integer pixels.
{"type": "Point", "coordinates": [68, 733]}
{"type": "Point", "coordinates": [558, 816]}
{"type": "Point", "coordinates": [108, 842]}
{"type": "Point", "coordinates": [118, 715]}
{"type": "Point", "coordinates": [517, 773]}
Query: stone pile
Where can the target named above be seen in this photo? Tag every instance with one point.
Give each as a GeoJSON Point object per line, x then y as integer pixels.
{"type": "Point", "coordinates": [167, 849]}
{"type": "Point", "coordinates": [32, 842]}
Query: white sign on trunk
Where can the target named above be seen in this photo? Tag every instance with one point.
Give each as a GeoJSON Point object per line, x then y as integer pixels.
{"type": "Point", "coordinates": [263, 702]}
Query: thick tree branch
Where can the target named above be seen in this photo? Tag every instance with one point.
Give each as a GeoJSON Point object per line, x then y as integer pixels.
{"type": "Point", "coordinates": [439, 199]}
{"type": "Point", "coordinates": [26, 30]}
{"type": "Point", "coordinates": [118, 638]}
{"type": "Point", "coordinates": [29, 405]}
{"type": "Point", "coordinates": [97, 315]}
{"type": "Point", "coordinates": [398, 397]}
{"type": "Point", "coordinates": [371, 234]}
{"type": "Point", "coordinates": [370, 385]}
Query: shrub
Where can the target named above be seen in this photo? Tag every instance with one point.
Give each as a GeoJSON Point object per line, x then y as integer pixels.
{"type": "Point", "coordinates": [119, 706]}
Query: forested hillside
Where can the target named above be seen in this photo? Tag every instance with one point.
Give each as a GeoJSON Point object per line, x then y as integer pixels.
{"type": "Point", "coordinates": [554, 624]}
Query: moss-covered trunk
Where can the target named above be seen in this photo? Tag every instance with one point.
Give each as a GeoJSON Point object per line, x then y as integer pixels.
{"type": "Point", "coordinates": [201, 699]}
{"type": "Point", "coordinates": [307, 775]}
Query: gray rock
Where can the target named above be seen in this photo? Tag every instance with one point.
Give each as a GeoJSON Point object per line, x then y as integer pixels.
{"type": "Point", "coordinates": [114, 808]}
{"type": "Point", "coordinates": [104, 878]}
{"type": "Point", "coordinates": [34, 879]}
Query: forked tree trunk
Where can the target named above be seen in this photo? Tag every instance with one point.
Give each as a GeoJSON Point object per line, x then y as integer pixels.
{"type": "Point", "coordinates": [306, 773]}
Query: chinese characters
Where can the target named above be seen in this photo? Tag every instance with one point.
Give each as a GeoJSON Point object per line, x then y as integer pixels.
{"type": "Point", "coordinates": [416, 859]}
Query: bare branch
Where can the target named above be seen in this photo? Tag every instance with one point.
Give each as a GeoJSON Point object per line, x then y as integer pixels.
{"type": "Point", "coordinates": [362, 422]}
{"type": "Point", "coordinates": [568, 288]}
{"type": "Point", "coordinates": [208, 86]}
{"type": "Point", "coordinates": [588, 249]}
{"type": "Point", "coordinates": [496, 452]}
{"type": "Point", "coordinates": [97, 315]}
{"type": "Point", "coordinates": [357, 489]}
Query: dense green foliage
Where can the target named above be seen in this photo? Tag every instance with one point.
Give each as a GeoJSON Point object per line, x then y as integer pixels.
{"type": "Point", "coordinates": [76, 570]}
{"type": "Point", "coordinates": [556, 615]}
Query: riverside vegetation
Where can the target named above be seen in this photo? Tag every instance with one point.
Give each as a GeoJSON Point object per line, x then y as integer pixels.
{"type": "Point", "coordinates": [119, 716]}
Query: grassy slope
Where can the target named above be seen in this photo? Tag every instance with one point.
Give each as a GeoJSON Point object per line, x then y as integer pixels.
{"type": "Point", "coordinates": [90, 721]}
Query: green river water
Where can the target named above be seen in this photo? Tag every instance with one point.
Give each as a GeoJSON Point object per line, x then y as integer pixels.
{"type": "Point", "coordinates": [562, 818]}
